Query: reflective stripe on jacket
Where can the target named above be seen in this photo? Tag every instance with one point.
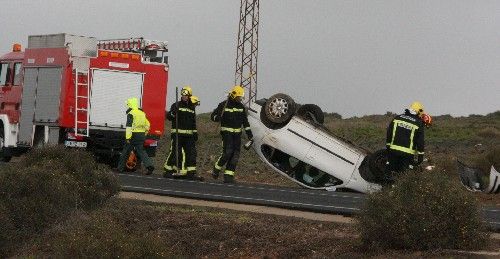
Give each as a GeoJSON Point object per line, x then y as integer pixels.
{"type": "Point", "coordinates": [232, 116]}
{"type": "Point", "coordinates": [405, 134]}
{"type": "Point", "coordinates": [186, 118]}
{"type": "Point", "coordinates": [136, 119]}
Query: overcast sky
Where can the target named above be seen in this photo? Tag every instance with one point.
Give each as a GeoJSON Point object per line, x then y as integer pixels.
{"type": "Point", "coordinates": [350, 57]}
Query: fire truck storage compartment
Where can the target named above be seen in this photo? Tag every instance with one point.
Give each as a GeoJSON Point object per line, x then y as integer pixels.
{"type": "Point", "coordinates": [110, 90]}
{"type": "Point", "coordinates": [40, 103]}
{"type": "Point", "coordinates": [79, 46]}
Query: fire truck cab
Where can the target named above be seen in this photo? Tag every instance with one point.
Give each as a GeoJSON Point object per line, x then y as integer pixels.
{"type": "Point", "coordinates": [72, 90]}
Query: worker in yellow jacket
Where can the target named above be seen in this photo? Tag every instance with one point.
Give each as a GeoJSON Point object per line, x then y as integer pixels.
{"type": "Point", "coordinates": [135, 133]}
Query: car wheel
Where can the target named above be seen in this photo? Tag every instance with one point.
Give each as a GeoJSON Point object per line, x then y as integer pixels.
{"type": "Point", "coordinates": [311, 112]}
{"type": "Point", "coordinates": [377, 163]}
{"type": "Point", "coordinates": [277, 111]}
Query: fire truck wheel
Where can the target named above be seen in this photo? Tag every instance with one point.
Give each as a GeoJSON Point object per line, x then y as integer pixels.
{"type": "Point", "coordinates": [277, 111]}
{"type": "Point", "coordinates": [311, 112]}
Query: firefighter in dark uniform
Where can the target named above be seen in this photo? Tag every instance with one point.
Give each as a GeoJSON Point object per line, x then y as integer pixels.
{"type": "Point", "coordinates": [186, 134]}
{"type": "Point", "coordinates": [405, 140]}
{"type": "Point", "coordinates": [135, 133]}
{"type": "Point", "coordinates": [232, 116]}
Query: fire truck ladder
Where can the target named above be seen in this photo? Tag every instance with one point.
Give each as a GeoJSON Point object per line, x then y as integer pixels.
{"type": "Point", "coordinates": [82, 102]}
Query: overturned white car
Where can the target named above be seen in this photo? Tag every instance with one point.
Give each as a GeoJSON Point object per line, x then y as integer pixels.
{"type": "Point", "coordinates": [291, 139]}
{"type": "Point", "coordinates": [471, 179]}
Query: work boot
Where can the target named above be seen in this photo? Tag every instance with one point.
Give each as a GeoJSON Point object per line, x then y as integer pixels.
{"type": "Point", "coordinates": [228, 178]}
{"type": "Point", "coordinates": [168, 174]}
{"type": "Point", "coordinates": [179, 175]}
{"type": "Point", "coordinates": [117, 171]}
{"type": "Point", "coordinates": [193, 176]}
{"type": "Point", "coordinates": [215, 173]}
{"type": "Point", "coordinates": [150, 170]}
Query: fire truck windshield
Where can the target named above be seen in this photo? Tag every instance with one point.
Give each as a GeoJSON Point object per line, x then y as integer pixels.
{"type": "Point", "coordinates": [17, 73]}
{"type": "Point", "coordinates": [4, 67]}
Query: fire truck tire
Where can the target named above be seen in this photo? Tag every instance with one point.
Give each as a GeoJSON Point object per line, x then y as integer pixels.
{"type": "Point", "coordinates": [311, 112]}
{"type": "Point", "coordinates": [277, 111]}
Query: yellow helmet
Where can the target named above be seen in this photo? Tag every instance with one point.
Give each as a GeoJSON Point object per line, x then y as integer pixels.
{"type": "Point", "coordinates": [195, 100]}
{"type": "Point", "coordinates": [417, 107]}
{"type": "Point", "coordinates": [237, 91]}
{"type": "Point", "coordinates": [186, 91]}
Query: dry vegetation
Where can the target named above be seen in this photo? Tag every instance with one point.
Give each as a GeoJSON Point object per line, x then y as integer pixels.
{"type": "Point", "coordinates": [51, 206]}
{"type": "Point", "coordinates": [147, 230]}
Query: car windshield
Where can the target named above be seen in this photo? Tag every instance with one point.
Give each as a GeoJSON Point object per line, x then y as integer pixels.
{"type": "Point", "coordinates": [299, 170]}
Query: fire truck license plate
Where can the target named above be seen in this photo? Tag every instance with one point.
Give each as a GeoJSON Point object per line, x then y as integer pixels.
{"type": "Point", "coordinates": [70, 143]}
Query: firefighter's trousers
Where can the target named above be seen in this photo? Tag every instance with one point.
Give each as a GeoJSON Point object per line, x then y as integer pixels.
{"type": "Point", "coordinates": [136, 143]}
{"type": "Point", "coordinates": [186, 148]}
{"type": "Point", "coordinates": [231, 144]}
{"type": "Point", "coordinates": [397, 162]}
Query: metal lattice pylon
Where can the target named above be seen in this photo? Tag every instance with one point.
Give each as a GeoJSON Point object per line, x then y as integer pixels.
{"type": "Point", "coordinates": [247, 49]}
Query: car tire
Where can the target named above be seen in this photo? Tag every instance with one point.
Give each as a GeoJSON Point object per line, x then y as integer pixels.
{"type": "Point", "coordinates": [377, 163]}
{"type": "Point", "coordinates": [311, 112]}
{"type": "Point", "coordinates": [277, 111]}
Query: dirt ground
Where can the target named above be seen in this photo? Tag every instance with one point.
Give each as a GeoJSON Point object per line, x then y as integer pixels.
{"type": "Point", "coordinates": [187, 231]}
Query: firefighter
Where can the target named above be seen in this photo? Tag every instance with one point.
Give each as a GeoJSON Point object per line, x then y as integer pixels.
{"type": "Point", "coordinates": [183, 137]}
{"type": "Point", "coordinates": [135, 133]}
{"type": "Point", "coordinates": [405, 140]}
{"type": "Point", "coordinates": [232, 116]}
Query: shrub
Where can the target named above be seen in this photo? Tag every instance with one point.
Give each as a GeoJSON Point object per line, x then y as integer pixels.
{"type": "Point", "coordinates": [489, 133]}
{"type": "Point", "coordinates": [94, 182]}
{"type": "Point", "coordinates": [422, 211]}
{"type": "Point", "coordinates": [46, 185]}
{"type": "Point", "coordinates": [487, 159]}
{"type": "Point", "coordinates": [35, 196]}
{"type": "Point", "coordinates": [333, 115]}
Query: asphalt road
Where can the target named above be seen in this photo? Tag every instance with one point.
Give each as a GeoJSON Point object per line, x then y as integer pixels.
{"type": "Point", "coordinates": [341, 203]}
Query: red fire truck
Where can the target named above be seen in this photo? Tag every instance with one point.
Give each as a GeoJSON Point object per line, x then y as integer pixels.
{"type": "Point", "coordinates": [72, 90]}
